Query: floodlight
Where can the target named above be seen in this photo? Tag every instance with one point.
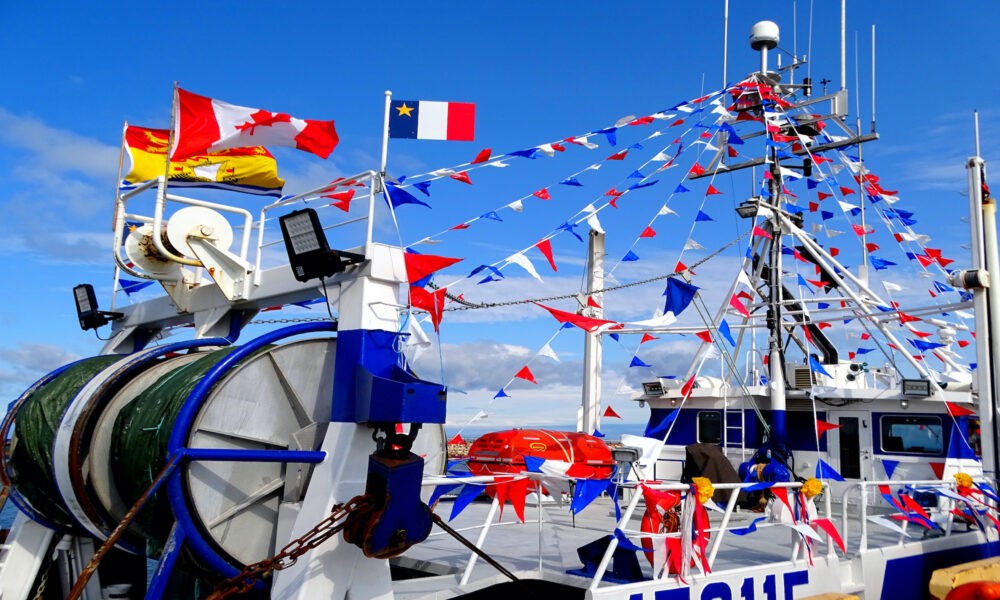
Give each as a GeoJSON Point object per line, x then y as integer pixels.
{"type": "Point", "coordinates": [309, 253]}
{"type": "Point", "coordinates": [90, 315]}
{"type": "Point", "coordinates": [748, 208]}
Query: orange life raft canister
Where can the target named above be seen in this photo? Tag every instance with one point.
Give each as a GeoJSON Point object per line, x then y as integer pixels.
{"type": "Point", "coordinates": [502, 452]}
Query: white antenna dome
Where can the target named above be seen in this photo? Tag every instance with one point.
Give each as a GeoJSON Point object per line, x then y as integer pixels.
{"type": "Point", "coordinates": [764, 34]}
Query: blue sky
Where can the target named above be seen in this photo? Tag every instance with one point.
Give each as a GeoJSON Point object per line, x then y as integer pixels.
{"type": "Point", "coordinates": [538, 72]}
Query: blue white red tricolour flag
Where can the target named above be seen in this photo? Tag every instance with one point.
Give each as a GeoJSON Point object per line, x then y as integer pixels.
{"type": "Point", "coordinates": [429, 120]}
{"type": "Point", "coordinates": [203, 125]}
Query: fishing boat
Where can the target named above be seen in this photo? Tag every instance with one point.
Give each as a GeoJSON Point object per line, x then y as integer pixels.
{"type": "Point", "coordinates": [310, 460]}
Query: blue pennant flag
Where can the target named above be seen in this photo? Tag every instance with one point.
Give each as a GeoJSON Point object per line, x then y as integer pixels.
{"type": "Point", "coordinates": [827, 215]}
{"type": "Point", "coordinates": [610, 134]}
{"type": "Point", "coordinates": [889, 466]}
{"type": "Point", "coordinates": [811, 184]}
{"type": "Point", "coordinates": [805, 284]}
{"type": "Point", "coordinates": [529, 153]}
{"type": "Point", "coordinates": [636, 175]}
{"type": "Point", "coordinates": [680, 189]}
{"type": "Point", "coordinates": [397, 196]}
{"type": "Point", "coordinates": [597, 434]}
{"type": "Point", "coordinates": [639, 186]}
{"type": "Point", "coordinates": [464, 498]}
{"type": "Point", "coordinates": [679, 294]}
{"type": "Point", "coordinates": [815, 367]}
{"type": "Point", "coordinates": [624, 542]}
{"type": "Point", "coordinates": [940, 287]}
{"type": "Point", "coordinates": [752, 527]}
{"type": "Point", "coordinates": [630, 256]}
{"type": "Point", "coordinates": [825, 471]}
{"type": "Point", "coordinates": [567, 326]}
{"type": "Point", "coordinates": [441, 490]}
{"type": "Point", "coordinates": [880, 263]}
{"type": "Point", "coordinates": [571, 181]}
{"type": "Point", "coordinates": [924, 346]}
{"type": "Point", "coordinates": [501, 394]}
{"type": "Point", "coordinates": [533, 463]}
{"type": "Point", "coordinates": [613, 336]}
{"type": "Point", "coordinates": [424, 186]}
{"type": "Point", "coordinates": [490, 268]}
{"type": "Point", "coordinates": [864, 350]}
{"type": "Point", "coordinates": [637, 362]}
{"type": "Point", "coordinates": [130, 287]}
{"type": "Point", "coordinates": [570, 228]}
{"type": "Point", "coordinates": [659, 429]}
{"type": "Point", "coordinates": [703, 217]}
{"type": "Point", "coordinates": [491, 215]}
{"type": "Point", "coordinates": [726, 333]}
{"type": "Point", "coordinates": [794, 209]}
{"type": "Point", "coordinates": [586, 491]}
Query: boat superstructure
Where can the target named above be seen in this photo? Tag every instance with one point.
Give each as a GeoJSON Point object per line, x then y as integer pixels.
{"type": "Point", "coordinates": [309, 460]}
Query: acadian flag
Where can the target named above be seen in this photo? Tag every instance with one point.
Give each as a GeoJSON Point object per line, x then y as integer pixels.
{"type": "Point", "coordinates": [427, 120]}
{"type": "Point", "coordinates": [249, 170]}
{"type": "Point", "coordinates": [203, 124]}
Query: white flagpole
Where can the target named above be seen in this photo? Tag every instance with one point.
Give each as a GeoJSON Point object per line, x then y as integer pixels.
{"type": "Point", "coordinates": [385, 132]}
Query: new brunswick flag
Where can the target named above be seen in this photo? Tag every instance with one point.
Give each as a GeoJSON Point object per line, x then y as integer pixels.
{"type": "Point", "coordinates": [249, 170]}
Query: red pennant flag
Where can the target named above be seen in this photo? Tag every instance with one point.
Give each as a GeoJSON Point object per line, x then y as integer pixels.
{"type": "Point", "coordinates": [588, 324]}
{"type": "Point", "coordinates": [543, 194]}
{"type": "Point", "coordinates": [696, 169]}
{"type": "Point", "coordinates": [618, 155]}
{"type": "Point", "coordinates": [957, 410]}
{"type": "Point", "coordinates": [647, 233]}
{"type": "Point", "coordinates": [813, 207]}
{"type": "Point", "coordinates": [758, 232]}
{"type": "Point", "coordinates": [610, 412]}
{"type": "Point", "coordinates": [613, 193]}
{"type": "Point", "coordinates": [938, 468]}
{"type": "Point", "coordinates": [461, 176]}
{"type": "Point", "coordinates": [419, 266]}
{"type": "Point", "coordinates": [483, 156]}
{"type": "Point", "coordinates": [525, 374]}
{"type": "Point", "coordinates": [823, 196]}
{"type": "Point", "coordinates": [905, 318]}
{"type": "Point", "coordinates": [641, 121]}
{"type": "Point", "coordinates": [433, 303]}
{"type": "Point", "coordinates": [823, 325]}
{"type": "Point", "coordinates": [834, 251]}
{"type": "Point", "coordinates": [963, 343]}
{"type": "Point", "coordinates": [851, 355]}
{"type": "Point", "coordinates": [865, 336]}
{"type": "Point", "coordinates": [846, 191]}
{"type": "Point", "coordinates": [822, 426]}
{"type": "Point", "coordinates": [648, 338]}
{"type": "Point", "coordinates": [456, 440]}
{"type": "Point", "coordinates": [340, 195]}
{"type": "Point", "coordinates": [688, 386]}
{"type": "Point", "coordinates": [344, 205]}
{"type": "Point", "coordinates": [704, 336]}
{"type": "Point", "coordinates": [712, 190]}
{"type": "Point", "coordinates": [460, 226]}
{"type": "Point", "coordinates": [732, 152]}
{"type": "Point", "coordinates": [745, 295]}
{"type": "Point", "coordinates": [677, 122]}
{"type": "Point", "coordinates": [592, 303]}
{"type": "Point", "coordinates": [545, 247]}
{"type": "Point", "coordinates": [921, 334]}
{"type": "Point", "coordinates": [735, 303]}
{"type": "Point", "coordinates": [872, 246]}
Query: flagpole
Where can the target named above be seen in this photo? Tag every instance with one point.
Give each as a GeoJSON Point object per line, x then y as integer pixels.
{"type": "Point", "coordinates": [385, 132]}
{"type": "Point", "coordinates": [117, 212]}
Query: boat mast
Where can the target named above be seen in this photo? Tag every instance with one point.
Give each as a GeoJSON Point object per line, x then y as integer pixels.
{"type": "Point", "coordinates": [986, 300]}
{"type": "Point", "coordinates": [590, 406]}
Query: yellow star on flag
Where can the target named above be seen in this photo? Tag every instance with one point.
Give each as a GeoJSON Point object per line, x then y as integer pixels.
{"type": "Point", "coordinates": [405, 111]}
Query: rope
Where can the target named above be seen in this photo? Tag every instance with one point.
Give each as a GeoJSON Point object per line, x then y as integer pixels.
{"type": "Point", "coordinates": [466, 305]}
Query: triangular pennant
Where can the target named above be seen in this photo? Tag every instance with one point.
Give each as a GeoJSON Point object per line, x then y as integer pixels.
{"type": "Point", "coordinates": [525, 374]}
{"type": "Point", "coordinates": [457, 439]}
{"type": "Point", "coordinates": [419, 266]}
{"type": "Point", "coordinates": [889, 466]}
{"type": "Point", "coordinates": [637, 362]}
{"type": "Point", "coordinates": [704, 336]}
{"type": "Point", "coordinates": [610, 412]}
{"type": "Point", "coordinates": [823, 426]}
{"type": "Point", "coordinates": [726, 333]}
{"type": "Point", "coordinates": [545, 247]}
{"type": "Point", "coordinates": [957, 410]}
{"type": "Point", "coordinates": [549, 352]}
{"type": "Point", "coordinates": [483, 156]}
{"type": "Point", "coordinates": [825, 471]}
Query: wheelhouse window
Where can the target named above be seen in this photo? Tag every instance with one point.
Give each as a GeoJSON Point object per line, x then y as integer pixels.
{"type": "Point", "coordinates": [710, 426]}
{"type": "Point", "coordinates": [908, 434]}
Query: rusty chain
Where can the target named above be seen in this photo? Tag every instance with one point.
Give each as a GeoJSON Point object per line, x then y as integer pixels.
{"type": "Point", "coordinates": [330, 526]}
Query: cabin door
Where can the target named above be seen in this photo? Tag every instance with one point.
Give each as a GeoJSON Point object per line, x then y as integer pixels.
{"type": "Point", "coordinates": [850, 445]}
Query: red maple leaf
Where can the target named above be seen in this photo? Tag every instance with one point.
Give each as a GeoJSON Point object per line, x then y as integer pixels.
{"type": "Point", "coordinates": [263, 118]}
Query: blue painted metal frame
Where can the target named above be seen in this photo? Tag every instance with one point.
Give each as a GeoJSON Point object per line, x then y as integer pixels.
{"type": "Point", "coordinates": [189, 530]}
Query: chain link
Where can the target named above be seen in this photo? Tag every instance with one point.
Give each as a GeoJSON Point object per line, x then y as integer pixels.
{"type": "Point", "coordinates": [466, 305]}
{"type": "Point", "coordinates": [285, 321]}
{"type": "Point", "coordinates": [334, 522]}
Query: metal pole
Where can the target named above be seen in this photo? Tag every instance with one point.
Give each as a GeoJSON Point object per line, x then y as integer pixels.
{"type": "Point", "coordinates": [725, 42]}
{"type": "Point", "coordinates": [590, 403]}
{"type": "Point", "coordinates": [385, 132]}
{"type": "Point", "coordinates": [843, 44]}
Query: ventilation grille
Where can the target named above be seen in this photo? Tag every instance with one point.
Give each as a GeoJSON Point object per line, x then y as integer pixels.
{"type": "Point", "coordinates": [803, 378]}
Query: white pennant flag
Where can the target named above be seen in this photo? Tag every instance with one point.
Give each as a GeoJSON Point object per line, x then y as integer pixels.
{"type": "Point", "coordinates": [832, 232]}
{"type": "Point", "coordinates": [665, 210]}
{"type": "Point", "coordinates": [547, 149]}
{"type": "Point", "coordinates": [712, 352]}
{"type": "Point", "coordinates": [664, 320]}
{"type": "Point", "coordinates": [693, 245]}
{"type": "Point", "coordinates": [743, 278]}
{"type": "Point", "coordinates": [846, 206]}
{"type": "Point", "coordinates": [594, 223]}
{"type": "Point", "coordinates": [521, 260]}
{"type": "Point", "coordinates": [892, 287]}
{"type": "Point", "coordinates": [498, 163]}
{"type": "Point", "coordinates": [417, 336]}
{"type": "Point", "coordinates": [660, 157]}
{"type": "Point", "coordinates": [816, 227]}
{"type": "Point", "coordinates": [478, 416]}
{"type": "Point", "coordinates": [516, 206]}
{"type": "Point", "coordinates": [548, 351]}
{"type": "Point", "coordinates": [786, 172]}
{"type": "Point", "coordinates": [582, 140]}
{"type": "Point", "coordinates": [442, 172]}
{"type": "Point", "coordinates": [890, 199]}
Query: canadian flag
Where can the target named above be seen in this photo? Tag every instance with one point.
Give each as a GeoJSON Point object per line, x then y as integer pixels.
{"type": "Point", "coordinates": [203, 125]}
